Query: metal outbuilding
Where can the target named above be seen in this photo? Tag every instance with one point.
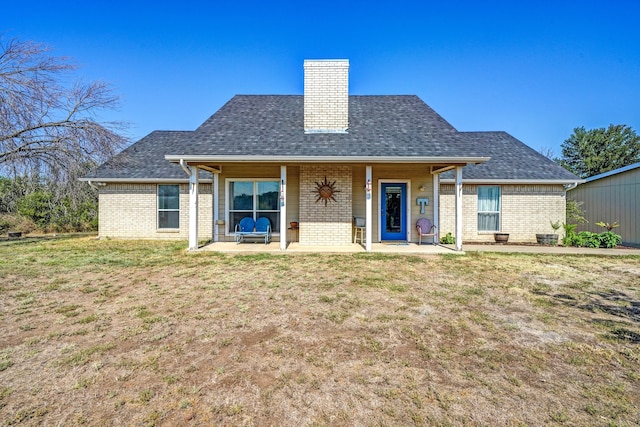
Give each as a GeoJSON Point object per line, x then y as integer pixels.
{"type": "Point", "coordinates": [609, 197]}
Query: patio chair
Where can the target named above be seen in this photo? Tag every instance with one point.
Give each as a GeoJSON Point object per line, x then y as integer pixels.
{"type": "Point", "coordinates": [244, 228]}
{"type": "Point", "coordinates": [263, 228]}
{"type": "Point", "coordinates": [426, 228]}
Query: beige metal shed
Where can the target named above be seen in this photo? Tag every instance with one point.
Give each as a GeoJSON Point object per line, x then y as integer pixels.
{"type": "Point", "coordinates": [612, 196]}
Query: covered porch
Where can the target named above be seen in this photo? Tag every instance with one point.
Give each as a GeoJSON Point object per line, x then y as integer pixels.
{"type": "Point", "coordinates": [361, 194]}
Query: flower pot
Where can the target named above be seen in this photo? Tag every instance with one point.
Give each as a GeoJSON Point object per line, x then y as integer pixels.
{"type": "Point", "coordinates": [501, 237]}
{"type": "Point", "coordinates": [547, 239]}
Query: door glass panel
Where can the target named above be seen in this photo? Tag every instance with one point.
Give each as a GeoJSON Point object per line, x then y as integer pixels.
{"type": "Point", "coordinates": [393, 209]}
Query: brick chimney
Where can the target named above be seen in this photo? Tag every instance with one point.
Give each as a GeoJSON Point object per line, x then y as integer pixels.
{"type": "Point", "coordinates": [326, 96]}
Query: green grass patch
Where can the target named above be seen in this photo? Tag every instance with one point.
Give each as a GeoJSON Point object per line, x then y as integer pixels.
{"type": "Point", "coordinates": [83, 356]}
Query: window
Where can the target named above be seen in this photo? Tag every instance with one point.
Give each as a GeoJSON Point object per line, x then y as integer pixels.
{"type": "Point", "coordinates": [488, 208]}
{"type": "Point", "coordinates": [255, 199]}
{"type": "Point", "coordinates": [168, 206]}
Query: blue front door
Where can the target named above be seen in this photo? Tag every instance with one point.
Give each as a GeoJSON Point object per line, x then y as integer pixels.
{"type": "Point", "coordinates": [394, 211]}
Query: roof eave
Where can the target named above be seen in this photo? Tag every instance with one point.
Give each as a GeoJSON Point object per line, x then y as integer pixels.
{"type": "Point", "coordinates": [613, 172]}
{"type": "Point", "coordinates": [324, 159]}
{"type": "Point", "coordinates": [513, 181]}
{"type": "Point", "coordinates": [144, 180]}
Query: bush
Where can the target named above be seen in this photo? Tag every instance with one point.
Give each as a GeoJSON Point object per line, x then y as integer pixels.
{"type": "Point", "coordinates": [609, 239]}
{"type": "Point", "coordinates": [569, 234]}
{"type": "Point", "coordinates": [37, 207]}
{"type": "Point", "coordinates": [82, 217]}
{"type": "Point", "coordinates": [14, 222]}
{"type": "Point", "coordinates": [587, 239]}
{"type": "Point", "coordinates": [6, 223]}
{"type": "Point", "coordinates": [448, 239]}
{"type": "Point", "coordinates": [62, 215]}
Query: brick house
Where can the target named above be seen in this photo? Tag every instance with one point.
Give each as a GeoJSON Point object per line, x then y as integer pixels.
{"type": "Point", "coordinates": [322, 159]}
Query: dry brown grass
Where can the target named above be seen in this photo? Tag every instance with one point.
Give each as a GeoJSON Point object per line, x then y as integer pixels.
{"type": "Point", "coordinates": [142, 333]}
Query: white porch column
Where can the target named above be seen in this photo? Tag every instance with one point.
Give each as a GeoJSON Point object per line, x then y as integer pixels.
{"type": "Point", "coordinates": [216, 206]}
{"type": "Point", "coordinates": [458, 208]}
{"type": "Point", "coordinates": [369, 209]}
{"type": "Point", "coordinates": [436, 205]}
{"type": "Point", "coordinates": [283, 208]}
{"type": "Point", "coordinates": [193, 208]}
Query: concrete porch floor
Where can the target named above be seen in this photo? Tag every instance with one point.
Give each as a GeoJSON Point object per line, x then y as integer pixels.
{"type": "Point", "coordinates": [412, 248]}
{"type": "Point", "coordinates": [294, 247]}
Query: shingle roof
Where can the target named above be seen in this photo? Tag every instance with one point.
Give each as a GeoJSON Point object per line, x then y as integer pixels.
{"type": "Point", "coordinates": [381, 127]}
{"type": "Point", "coordinates": [145, 159]}
{"type": "Point", "coordinates": [511, 159]}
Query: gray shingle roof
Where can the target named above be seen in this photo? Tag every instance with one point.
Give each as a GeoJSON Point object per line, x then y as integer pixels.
{"type": "Point", "coordinates": [144, 159]}
{"type": "Point", "coordinates": [379, 126]}
{"type": "Point", "coordinates": [511, 159]}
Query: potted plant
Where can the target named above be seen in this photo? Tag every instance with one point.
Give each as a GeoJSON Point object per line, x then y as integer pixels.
{"type": "Point", "coordinates": [549, 239]}
{"type": "Point", "coordinates": [501, 237]}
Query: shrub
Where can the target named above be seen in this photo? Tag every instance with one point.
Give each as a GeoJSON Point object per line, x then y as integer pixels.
{"type": "Point", "coordinates": [14, 222]}
{"type": "Point", "coordinates": [609, 239]}
{"type": "Point", "coordinates": [575, 213]}
{"type": "Point", "coordinates": [448, 239]}
{"type": "Point", "coordinates": [37, 207]}
{"type": "Point", "coordinates": [607, 225]}
{"type": "Point", "coordinates": [587, 239]}
{"type": "Point", "coordinates": [569, 234]}
{"type": "Point", "coordinates": [6, 223]}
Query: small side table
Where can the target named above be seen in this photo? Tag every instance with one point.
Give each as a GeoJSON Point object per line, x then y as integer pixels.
{"type": "Point", "coordinates": [293, 232]}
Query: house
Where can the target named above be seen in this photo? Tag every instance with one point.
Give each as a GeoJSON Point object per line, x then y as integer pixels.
{"type": "Point", "coordinates": [320, 160]}
{"type": "Point", "coordinates": [610, 197]}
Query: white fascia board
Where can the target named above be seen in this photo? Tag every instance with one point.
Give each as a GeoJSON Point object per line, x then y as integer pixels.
{"type": "Point", "coordinates": [324, 159]}
{"type": "Point", "coordinates": [512, 181]}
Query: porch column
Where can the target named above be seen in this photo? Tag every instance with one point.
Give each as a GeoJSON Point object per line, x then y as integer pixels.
{"type": "Point", "coordinates": [216, 206]}
{"type": "Point", "coordinates": [283, 208]}
{"type": "Point", "coordinates": [369, 210]}
{"type": "Point", "coordinates": [458, 208]}
{"type": "Point", "coordinates": [436, 205]}
{"type": "Point", "coordinates": [193, 208]}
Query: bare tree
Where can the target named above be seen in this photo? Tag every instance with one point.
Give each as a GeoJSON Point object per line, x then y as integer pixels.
{"type": "Point", "coordinates": [547, 152]}
{"type": "Point", "coordinates": [49, 126]}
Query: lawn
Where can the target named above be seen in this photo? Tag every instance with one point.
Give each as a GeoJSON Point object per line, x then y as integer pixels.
{"type": "Point", "coordinates": [105, 332]}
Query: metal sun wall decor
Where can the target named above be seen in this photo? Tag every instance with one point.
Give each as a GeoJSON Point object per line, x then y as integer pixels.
{"type": "Point", "coordinates": [325, 191]}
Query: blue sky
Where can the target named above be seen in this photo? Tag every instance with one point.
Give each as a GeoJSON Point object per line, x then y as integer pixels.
{"type": "Point", "coordinates": [534, 69]}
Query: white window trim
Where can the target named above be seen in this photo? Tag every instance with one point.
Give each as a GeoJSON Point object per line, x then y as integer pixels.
{"type": "Point", "coordinates": [499, 211]}
{"type": "Point", "coordinates": [227, 181]}
{"type": "Point", "coordinates": [172, 229]}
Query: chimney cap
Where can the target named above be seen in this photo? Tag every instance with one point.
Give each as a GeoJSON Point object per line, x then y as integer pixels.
{"type": "Point", "coordinates": [326, 62]}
